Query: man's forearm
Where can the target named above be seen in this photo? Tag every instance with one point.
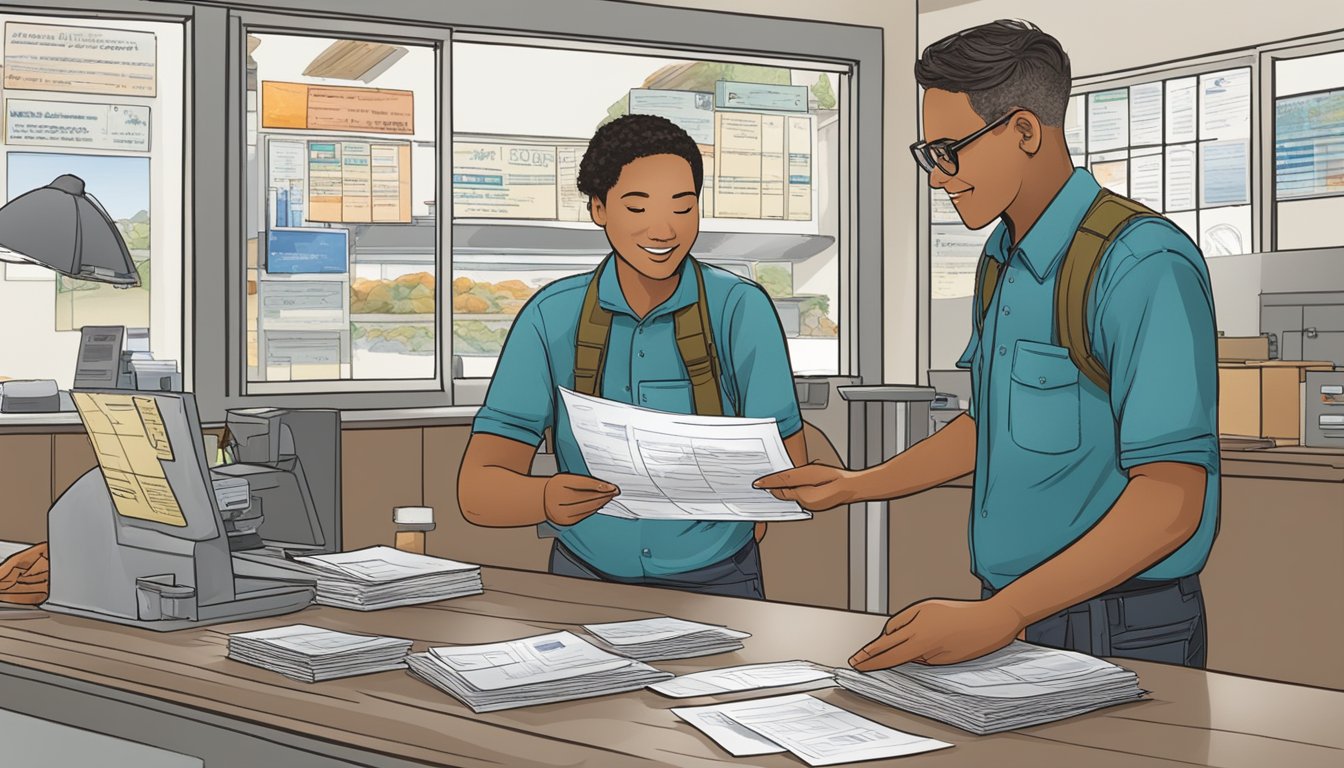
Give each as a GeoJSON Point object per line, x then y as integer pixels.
{"type": "Point", "coordinates": [498, 497]}
{"type": "Point", "coordinates": [945, 455]}
{"type": "Point", "coordinates": [1158, 511]}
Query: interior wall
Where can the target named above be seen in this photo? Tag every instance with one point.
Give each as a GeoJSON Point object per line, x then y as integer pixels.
{"type": "Point", "coordinates": [900, 274]}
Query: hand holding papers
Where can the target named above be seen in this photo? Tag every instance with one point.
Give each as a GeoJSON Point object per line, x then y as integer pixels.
{"type": "Point", "coordinates": [1015, 687]}
{"type": "Point", "coordinates": [312, 654]}
{"type": "Point", "coordinates": [536, 670]}
{"type": "Point", "coordinates": [679, 467]}
{"type": "Point", "coordinates": [816, 732]}
{"type": "Point", "coordinates": [665, 638]}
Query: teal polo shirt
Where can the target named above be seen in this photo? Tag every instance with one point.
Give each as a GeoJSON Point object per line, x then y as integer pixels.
{"type": "Point", "coordinates": [643, 367]}
{"type": "Point", "coordinates": [1052, 448]}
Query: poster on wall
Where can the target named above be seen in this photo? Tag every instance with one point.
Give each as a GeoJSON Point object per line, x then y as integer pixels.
{"type": "Point", "coordinates": [510, 181]}
{"type": "Point", "coordinates": [332, 108]}
{"type": "Point", "coordinates": [66, 59]}
{"type": "Point", "coordinates": [955, 254]}
{"type": "Point", "coordinates": [31, 123]}
{"type": "Point", "coordinates": [352, 182]}
{"type": "Point", "coordinates": [121, 186]}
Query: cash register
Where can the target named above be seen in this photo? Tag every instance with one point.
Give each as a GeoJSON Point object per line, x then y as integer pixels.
{"type": "Point", "coordinates": [140, 540]}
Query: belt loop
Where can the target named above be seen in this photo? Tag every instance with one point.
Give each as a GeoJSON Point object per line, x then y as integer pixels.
{"type": "Point", "coordinates": [1098, 628]}
{"type": "Point", "coordinates": [1189, 584]}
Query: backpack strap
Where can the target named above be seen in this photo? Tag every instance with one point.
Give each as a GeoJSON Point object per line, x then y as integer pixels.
{"type": "Point", "coordinates": [695, 342]}
{"type": "Point", "coordinates": [590, 346]}
{"type": "Point", "coordinates": [1108, 216]}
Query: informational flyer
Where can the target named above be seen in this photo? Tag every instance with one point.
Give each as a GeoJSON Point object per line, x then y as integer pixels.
{"type": "Point", "coordinates": [1075, 127]}
{"type": "Point", "coordinates": [1107, 120]}
{"type": "Point", "coordinates": [330, 108]}
{"type": "Point", "coordinates": [1112, 174]}
{"type": "Point", "coordinates": [774, 167]}
{"type": "Point", "coordinates": [1145, 114]}
{"type": "Point", "coordinates": [358, 182]}
{"type": "Point", "coordinates": [31, 123]}
{"type": "Point", "coordinates": [801, 156]}
{"type": "Point", "coordinates": [570, 205]}
{"type": "Point", "coordinates": [1182, 96]}
{"type": "Point", "coordinates": [1145, 179]}
{"type": "Point", "coordinates": [71, 59]}
{"type": "Point", "coordinates": [1225, 104]}
{"type": "Point", "coordinates": [955, 253]}
{"type": "Point", "coordinates": [1224, 169]}
{"type": "Point", "coordinates": [737, 178]}
{"type": "Point", "coordinates": [286, 161]}
{"type": "Point", "coordinates": [1181, 178]}
{"type": "Point", "coordinates": [504, 181]}
{"type": "Point", "coordinates": [693, 112]}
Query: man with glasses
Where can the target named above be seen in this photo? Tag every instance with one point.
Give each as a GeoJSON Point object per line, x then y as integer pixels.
{"type": "Point", "coordinates": [1094, 447]}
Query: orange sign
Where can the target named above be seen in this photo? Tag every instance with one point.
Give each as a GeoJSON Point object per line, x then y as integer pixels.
{"type": "Point", "coordinates": [335, 108]}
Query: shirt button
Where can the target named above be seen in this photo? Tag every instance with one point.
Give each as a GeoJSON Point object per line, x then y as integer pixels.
{"type": "Point", "coordinates": [984, 513]}
{"type": "Point", "coordinates": [627, 387]}
{"type": "Point", "coordinates": [645, 398]}
{"type": "Point", "coordinates": [641, 353]}
{"type": "Point", "coordinates": [640, 331]}
{"type": "Point", "coordinates": [1012, 279]}
{"type": "Point", "coordinates": [645, 552]}
{"type": "Point", "coordinates": [1007, 311]}
{"type": "Point", "coordinates": [1042, 379]}
{"type": "Point", "coordinates": [1003, 351]}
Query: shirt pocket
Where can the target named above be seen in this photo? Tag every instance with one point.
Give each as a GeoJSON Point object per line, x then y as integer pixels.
{"type": "Point", "coordinates": [673, 396]}
{"type": "Point", "coordinates": [1043, 404]}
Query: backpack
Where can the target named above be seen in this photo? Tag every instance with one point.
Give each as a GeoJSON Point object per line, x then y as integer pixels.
{"type": "Point", "coordinates": [1106, 218]}
{"type": "Point", "coordinates": [695, 342]}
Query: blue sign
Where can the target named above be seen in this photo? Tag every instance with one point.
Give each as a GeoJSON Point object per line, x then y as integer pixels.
{"type": "Point", "coordinates": [307, 250]}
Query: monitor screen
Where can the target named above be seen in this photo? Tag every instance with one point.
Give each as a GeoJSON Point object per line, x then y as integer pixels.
{"type": "Point", "coordinates": [151, 455]}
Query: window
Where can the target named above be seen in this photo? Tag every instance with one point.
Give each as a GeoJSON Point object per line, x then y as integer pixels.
{"type": "Point", "coordinates": [523, 117]}
{"type": "Point", "coordinates": [121, 131]}
{"type": "Point", "coordinates": [343, 239]}
{"type": "Point", "coordinates": [1308, 150]}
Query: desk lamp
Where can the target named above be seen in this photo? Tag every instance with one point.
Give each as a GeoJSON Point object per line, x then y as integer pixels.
{"type": "Point", "coordinates": [65, 229]}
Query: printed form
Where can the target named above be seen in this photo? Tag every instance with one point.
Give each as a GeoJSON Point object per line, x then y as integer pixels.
{"type": "Point", "coordinates": [680, 467]}
{"type": "Point", "coordinates": [816, 732]}
{"type": "Point", "coordinates": [748, 677]}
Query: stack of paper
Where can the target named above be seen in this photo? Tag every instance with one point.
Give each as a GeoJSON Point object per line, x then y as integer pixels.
{"type": "Point", "coordinates": [748, 677]}
{"type": "Point", "coordinates": [536, 670]}
{"type": "Point", "coordinates": [383, 577]}
{"type": "Point", "coordinates": [312, 654]}
{"type": "Point", "coordinates": [816, 732]}
{"type": "Point", "coordinates": [1014, 687]}
{"type": "Point", "coordinates": [665, 638]}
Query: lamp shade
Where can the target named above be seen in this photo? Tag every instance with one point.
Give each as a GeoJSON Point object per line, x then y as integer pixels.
{"type": "Point", "coordinates": [64, 229]}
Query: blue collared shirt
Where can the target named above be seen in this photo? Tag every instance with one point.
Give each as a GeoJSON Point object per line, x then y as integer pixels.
{"type": "Point", "coordinates": [1053, 449]}
{"type": "Point", "coordinates": [643, 367]}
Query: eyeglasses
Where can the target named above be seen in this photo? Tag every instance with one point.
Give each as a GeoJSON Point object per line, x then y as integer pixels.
{"type": "Point", "coordinates": [942, 153]}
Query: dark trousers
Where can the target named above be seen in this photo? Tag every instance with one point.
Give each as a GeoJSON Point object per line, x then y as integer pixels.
{"type": "Point", "coordinates": [1151, 621]}
{"type": "Point", "coordinates": [738, 576]}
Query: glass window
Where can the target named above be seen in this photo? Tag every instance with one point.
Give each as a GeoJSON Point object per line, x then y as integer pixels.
{"type": "Point", "coordinates": [121, 131]}
{"type": "Point", "coordinates": [342, 255]}
{"type": "Point", "coordinates": [1308, 150]}
{"type": "Point", "coordinates": [770, 138]}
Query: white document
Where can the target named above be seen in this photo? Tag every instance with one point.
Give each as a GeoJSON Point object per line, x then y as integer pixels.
{"type": "Point", "coordinates": [680, 467]}
{"type": "Point", "coordinates": [68, 124]}
{"type": "Point", "coordinates": [955, 254]}
{"type": "Point", "coordinates": [1145, 179]}
{"type": "Point", "coordinates": [823, 734]}
{"type": "Point", "coordinates": [1181, 98]}
{"type": "Point", "coordinates": [1225, 105]}
{"type": "Point", "coordinates": [1145, 114]}
{"type": "Point", "coordinates": [653, 630]}
{"type": "Point", "coordinates": [316, 641]}
{"type": "Point", "coordinates": [1180, 178]}
{"type": "Point", "coordinates": [376, 564]}
{"type": "Point", "coordinates": [736, 740]}
{"type": "Point", "coordinates": [1108, 120]}
{"type": "Point", "coordinates": [1075, 130]}
{"type": "Point", "coordinates": [541, 659]}
{"type": "Point", "coordinates": [748, 677]}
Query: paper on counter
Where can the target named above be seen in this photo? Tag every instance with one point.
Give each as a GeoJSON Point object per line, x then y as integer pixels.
{"type": "Point", "coordinates": [748, 677]}
{"type": "Point", "coordinates": [680, 467]}
{"type": "Point", "coordinates": [816, 732]}
{"type": "Point", "coordinates": [736, 740]}
{"type": "Point", "coordinates": [653, 630]}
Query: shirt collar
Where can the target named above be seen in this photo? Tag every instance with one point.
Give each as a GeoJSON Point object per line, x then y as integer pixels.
{"type": "Point", "coordinates": [611, 298]}
{"type": "Point", "coordinates": [1049, 237]}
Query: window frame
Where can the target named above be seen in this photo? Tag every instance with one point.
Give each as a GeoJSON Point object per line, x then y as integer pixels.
{"type": "Point", "coordinates": [219, 351]}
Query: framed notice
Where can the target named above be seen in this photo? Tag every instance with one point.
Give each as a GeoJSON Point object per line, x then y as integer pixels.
{"type": "Point", "coordinates": [332, 108]}
{"type": "Point", "coordinates": [65, 59]}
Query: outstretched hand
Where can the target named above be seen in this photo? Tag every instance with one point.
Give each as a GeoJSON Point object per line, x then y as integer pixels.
{"type": "Point", "coordinates": [814, 486]}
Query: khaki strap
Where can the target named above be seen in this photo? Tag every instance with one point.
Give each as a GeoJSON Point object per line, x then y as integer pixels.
{"type": "Point", "coordinates": [1105, 220]}
{"type": "Point", "coordinates": [987, 280]}
{"type": "Point", "coordinates": [695, 344]}
{"type": "Point", "coordinates": [590, 351]}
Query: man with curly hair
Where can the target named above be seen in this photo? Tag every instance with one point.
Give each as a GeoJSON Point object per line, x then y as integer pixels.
{"type": "Point", "coordinates": [642, 175]}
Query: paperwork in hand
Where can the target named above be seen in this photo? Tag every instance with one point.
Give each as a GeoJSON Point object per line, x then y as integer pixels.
{"type": "Point", "coordinates": [1014, 687]}
{"type": "Point", "coordinates": [383, 577]}
{"type": "Point", "coordinates": [678, 467]}
{"type": "Point", "coordinates": [816, 732]}
{"type": "Point", "coordinates": [748, 677]}
{"type": "Point", "coordinates": [312, 654]}
{"type": "Point", "coordinates": [665, 638]}
{"type": "Point", "coordinates": [535, 670]}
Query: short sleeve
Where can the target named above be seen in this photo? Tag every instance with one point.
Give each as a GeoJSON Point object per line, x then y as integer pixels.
{"type": "Point", "coordinates": [759, 357]}
{"type": "Point", "coordinates": [520, 404]}
{"type": "Point", "coordinates": [1157, 340]}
